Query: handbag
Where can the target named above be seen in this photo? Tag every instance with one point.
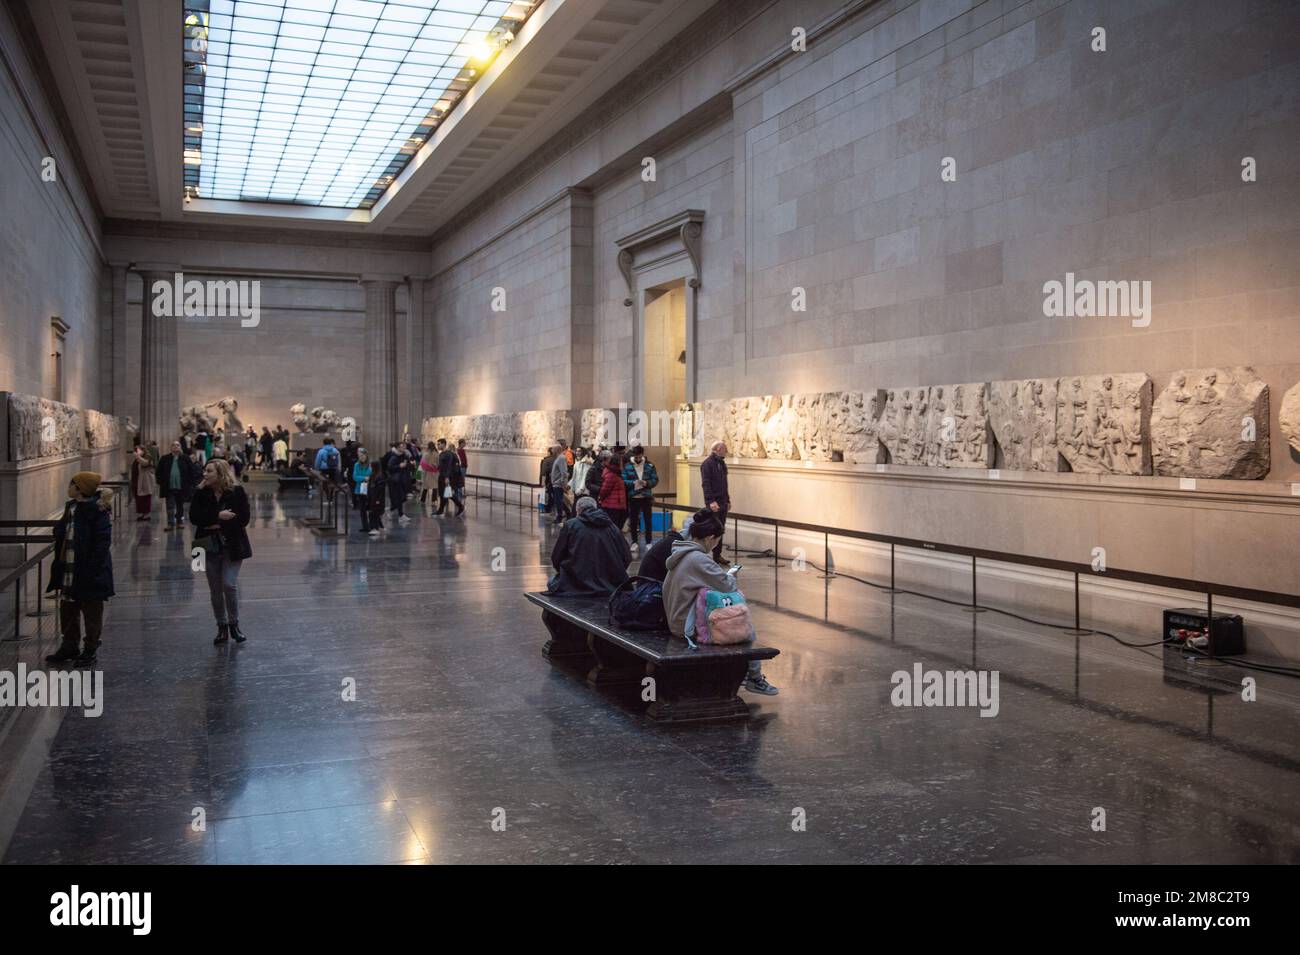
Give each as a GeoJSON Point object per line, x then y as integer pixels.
{"type": "Point", "coordinates": [638, 604]}
{"type": "Point", "coordinates": [212, 543]}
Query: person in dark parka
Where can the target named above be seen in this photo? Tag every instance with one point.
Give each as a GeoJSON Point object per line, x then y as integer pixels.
{"type": "Point", "coordinates": [220, 514]}
{"type": "Point", "coordinates": [82, 571]}
{"type": "Point", "coordinates": [590, 555]}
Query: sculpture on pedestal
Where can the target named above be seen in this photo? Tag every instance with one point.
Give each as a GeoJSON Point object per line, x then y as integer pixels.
{"type": "Point", "coordinates": [195, 419]}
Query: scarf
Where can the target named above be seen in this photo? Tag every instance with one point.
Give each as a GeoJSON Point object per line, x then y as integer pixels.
{"type": "Point", "coordinates": [69, 553]}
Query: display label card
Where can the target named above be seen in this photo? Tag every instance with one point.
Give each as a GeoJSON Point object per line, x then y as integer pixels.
{"type": "Point", "coordinates": [994, 474]}
{"type": "Point", "coordinates": [1187, 484]}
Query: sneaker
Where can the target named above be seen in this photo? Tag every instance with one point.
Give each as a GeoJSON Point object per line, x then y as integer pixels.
{"type": "Point", "coordinates": [634, 550]}
{"type": "Point", "coordinates": [85, 659]}
{"type": "Point", "coordinates": [403, 520]}
{"type": "Point", "coordinates": [759, 684]}
{"type": "Point", "coordinates": [374, 533]}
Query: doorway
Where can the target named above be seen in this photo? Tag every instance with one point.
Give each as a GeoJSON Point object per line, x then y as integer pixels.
{"type": "Point", "coordinates": [663, 359]}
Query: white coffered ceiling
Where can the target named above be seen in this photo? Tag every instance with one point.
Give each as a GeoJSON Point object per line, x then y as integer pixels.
{"type": "Point", "coordinates": [117, 65]}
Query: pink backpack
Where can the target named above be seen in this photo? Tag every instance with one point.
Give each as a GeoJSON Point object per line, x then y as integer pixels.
{"type": "Point", "coordinates": [722, 618]}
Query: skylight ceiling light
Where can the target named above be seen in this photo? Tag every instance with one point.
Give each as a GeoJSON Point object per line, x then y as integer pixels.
{"type": "Point", "coordinates": [323, 102]}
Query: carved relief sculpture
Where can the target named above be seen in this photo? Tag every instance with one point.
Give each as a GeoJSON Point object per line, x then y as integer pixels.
{"type": "Point", "coordinates": [1103, 422]}
{"type": "Point", "coordinates": [855, 418]}
{"type": "Point", "coordinates": [1289, 417]}
{"type": "Point", "coordinates": [41, 428]}
{"type": "Point", "coordinates": [1022, 418]}
{"type": "Point", "coordinates": [1211, 423]}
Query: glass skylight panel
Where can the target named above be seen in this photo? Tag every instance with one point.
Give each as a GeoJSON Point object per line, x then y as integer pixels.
{"type": "Point", "coordinates": [323, 102]}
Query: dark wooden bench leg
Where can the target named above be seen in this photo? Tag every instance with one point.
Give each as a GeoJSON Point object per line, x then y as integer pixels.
{"type": "Point", "coordinates": [568, 641]}
{"type": "Point", "coordinates": [699, 692]}
{"type": "Point", "coordinates": [614, 665]}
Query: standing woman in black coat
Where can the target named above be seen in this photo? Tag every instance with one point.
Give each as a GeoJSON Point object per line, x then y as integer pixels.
{"type": "Point", "coordinates": [219, 513]}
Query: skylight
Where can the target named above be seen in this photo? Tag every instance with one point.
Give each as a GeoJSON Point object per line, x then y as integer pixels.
{"type": "Point", "coordinates": [323, 102]}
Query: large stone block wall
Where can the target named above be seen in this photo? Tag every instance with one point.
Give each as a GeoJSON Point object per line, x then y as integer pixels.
{"type": "Point", "coordinates": [519, 356]}
{"type": "Point", "coordinates": [308, 347]}
{"type": "Point", "coordinates": [1066, 161]}
{"type": "Point", "coordinates": [49, 263]}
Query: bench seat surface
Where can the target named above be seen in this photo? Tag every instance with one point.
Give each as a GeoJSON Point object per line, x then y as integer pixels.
{"type": "Point", "coordinates": [658, 646]}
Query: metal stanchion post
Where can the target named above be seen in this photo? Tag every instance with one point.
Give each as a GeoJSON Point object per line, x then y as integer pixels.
{"type": "Point", "coordinates": [1078, 630]}
{"type": "Point", "coordinates": [974, 592]}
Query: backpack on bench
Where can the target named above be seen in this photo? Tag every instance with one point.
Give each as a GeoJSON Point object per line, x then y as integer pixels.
{"type": "Point", "coordinates": [638, 604]}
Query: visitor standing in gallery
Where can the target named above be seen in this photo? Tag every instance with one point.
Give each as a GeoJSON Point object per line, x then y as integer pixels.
{"type": "Point", "coordinates": [428, 472]}
{"type": "Point", "coordinates": [613, 492]}
{"type": "Point", "coordinates": [397, 465]}
{"type": "Point", "coordinates": [449, 476]}
{"type": "Point", "coordinates": [82, 570]}
{"type": "Point", "coordinates": [544, 478]}
{"type": "Point", "coordinates": [640, 478]}
{"type": "Point", "coordinates": [362, 476]}
{"type": "Point", "coordinates": [144, 485]}
{"type": "Point", "coordinates": [176, 475]}
{"type": "Point", "coordinates": [713, 481]}
{"type": "Point", "coordinates": [220, 514]}
{"type": "Point", "coordinates": [559, 478]}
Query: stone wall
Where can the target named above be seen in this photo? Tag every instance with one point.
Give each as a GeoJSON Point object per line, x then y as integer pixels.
{"type": "Point", "coordinates": [50, 263]}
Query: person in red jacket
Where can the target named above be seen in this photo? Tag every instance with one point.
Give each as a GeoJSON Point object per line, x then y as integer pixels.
{"type": "Point", "coordinates": [613, 492]}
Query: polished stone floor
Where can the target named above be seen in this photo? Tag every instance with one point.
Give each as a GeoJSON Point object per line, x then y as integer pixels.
{"type": "Point", "coordinates": [458, 721]}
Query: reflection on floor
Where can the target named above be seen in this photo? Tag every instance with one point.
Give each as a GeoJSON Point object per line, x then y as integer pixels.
{"type": "Point", "coordinates": [458, 721]}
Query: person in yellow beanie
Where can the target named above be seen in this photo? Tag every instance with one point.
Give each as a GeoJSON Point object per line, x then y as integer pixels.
{"type": "Point", "coordinates": [82, 571]}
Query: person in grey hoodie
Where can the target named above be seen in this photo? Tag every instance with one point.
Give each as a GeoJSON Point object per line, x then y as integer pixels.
{"type": "Point", "coordinates": [691, 568]}
{"type": "Point", "coordinates": [559, 479]}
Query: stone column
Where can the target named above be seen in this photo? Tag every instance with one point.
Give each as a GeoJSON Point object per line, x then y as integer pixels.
{"type": "Point", "coordinates": [160, 399]}
{"type": "Point", "coordinates": [417, 334]}
{"type": "Point", "coordinates": [379, 421]}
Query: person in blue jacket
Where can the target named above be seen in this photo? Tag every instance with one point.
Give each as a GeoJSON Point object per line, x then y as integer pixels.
{"type": "Point", "coordinates": [640, 476]}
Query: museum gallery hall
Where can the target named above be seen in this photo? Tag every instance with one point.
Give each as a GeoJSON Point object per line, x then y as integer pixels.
{"type": "Point", "coordinates": [648, 432]}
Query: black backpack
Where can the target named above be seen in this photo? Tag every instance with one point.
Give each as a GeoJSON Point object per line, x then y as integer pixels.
{"type": "Point", "coordinates": [638, 604]}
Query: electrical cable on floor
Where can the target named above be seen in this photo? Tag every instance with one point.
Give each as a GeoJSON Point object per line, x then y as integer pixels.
{"type": "Point", "coordinates": [1246, 664]}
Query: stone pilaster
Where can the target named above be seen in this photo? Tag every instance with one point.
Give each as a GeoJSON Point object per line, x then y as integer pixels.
{"type": "Point", "coordinates": [160, 400]}
{"type": "Point", "coordinates": [379, 421]}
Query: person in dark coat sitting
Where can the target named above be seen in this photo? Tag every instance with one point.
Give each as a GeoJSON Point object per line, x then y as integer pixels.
{"type": "Point", "coordinates": [590, 555]}
{"type": "Point", "coordinates": [220, 514]}
{"type": "Point", "coordinates": [654, 562]}
{"type": "Point", "coordinates": [82, 571]}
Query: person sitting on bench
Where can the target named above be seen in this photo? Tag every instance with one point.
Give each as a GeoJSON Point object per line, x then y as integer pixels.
{"type": "Point", "coordinates": [590, 555]}
{"type": "Point", "coordinates": [654, 562]}
{"type": "Point", "coordinates": [691, 568]}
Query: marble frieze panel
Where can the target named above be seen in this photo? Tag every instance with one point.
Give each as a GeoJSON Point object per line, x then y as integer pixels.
{"type": "Point", "coordinates": [42, 428]}
{"type": "Point", "coordinates": [1103, 423]}
{"type": "Point", "coordinates": [1211, 423]}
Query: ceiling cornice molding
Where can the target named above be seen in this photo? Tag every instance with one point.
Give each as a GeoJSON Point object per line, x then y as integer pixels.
{"type": "Point", "coordinates": [211, 231]}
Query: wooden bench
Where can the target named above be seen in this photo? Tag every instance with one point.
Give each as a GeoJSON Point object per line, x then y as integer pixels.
{"type": "Point", "coordinates": [689, 685]}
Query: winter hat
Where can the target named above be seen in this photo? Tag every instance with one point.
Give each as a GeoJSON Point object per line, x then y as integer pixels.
{"type": "Point", "coordinates": [585, 504]}
{"type": "Point", "coordinates": [87, 482]}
